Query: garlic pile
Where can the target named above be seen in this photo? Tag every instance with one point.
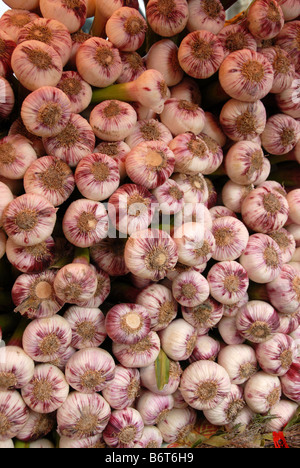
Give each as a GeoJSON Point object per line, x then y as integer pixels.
{"type": "Point", "coordinates": [149, 221]}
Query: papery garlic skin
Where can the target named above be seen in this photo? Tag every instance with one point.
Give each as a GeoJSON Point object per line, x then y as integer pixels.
{"type": "Point", "coordinates": [265, 19]}
{"type": "Point", "coordinates": [257, 321]}
{"type": "Point", "coordinates": [148, 130]}
{"type": "Point", "coordinates": [228, 282]}
{"type": "Point", "coordinates": [287, 40]}
{"type": "Point", "coordinates": [16, 156]}
{"type": "Point", "coordinates": [72, 16]}
{"type": "Point", "coordinates": [246, 75]}
{"type": "Point", "coordinates": [290, 9]}
{"type": "Point", "coordinates": [89, 370]}
{"type": "Point", "coordinates": [14, 412]}
{"type": "Point", "coordinates": [74, 142]}
{"type": "Point", "coordinates": [242, 121]}
{"type": "Point", "coordinates": [113, 120]}
{"type": "Point", "coordinates": [203, 316]}
{"type": "Point", "coordinates": [206, 349]}
{"type": "Point", "coordinates": [108, 255]}
{"type": "Point", "coordinates": [122, 391]}
{"type": "Point", "coordinates": [208, 15]}
{"type": "Point", "coordinates": [228, 410]}
{"type": "Point", "coordinates": [124, 429]}
{"type": "Point", "coordinates": [191, 153]}
{"type": "Point", "coordinates": [78, 91]}
{"type": "Point", "coordinates": [190, 288]}
{"type": "Point", "coordinates": [246, 164]}
{"type": "Point", "coordinates": [34, 259]}
{"type": "Point", "coordinates": [82, 415]}
{"type": "Point", "coordinates": [231, 236]}
{"type": "Point", "coordinates": [150, 164]}
{"type": "Point", "coordinates": [29, 219]}
{"type": "Point", "coordinates": [88, 326]}
{"type": "Point", "coordinates": [178, 339]}
{"type": "Point", "coordinates": [167, 19]}
{"type": "Point", "coordinates": [283, 412]}
{"type": "Point", "coordinates": [85, 222]}
{"type": "Point", "coordinates": [16, 368]}
{"type": "Point", "coordinates": [163, 56]}
{"type": "Point", "coordinates": [47, 390]}
{"type": "Point", "coordinates": [169, 197]}
{"type": "Point", "coordinates": [284, 69]}
{"type": "Point", "coordinates": [182, 116]}
{"type": "Point", "coordinates": [288, 100]}
{"type": "Point", "coordinates": [127, 323]}
{"type": "Point", "coordinates": [46, 338]}
{"type": "Point", "coordinates": [13, 20]}
{"type": "Point", "coordinates": [239, 361]}
{"type": "Point", "coordinates": [133, 66]}
{"type": "Point", "coordinates": [7, 98]}
{"type": "Point", "coordinates": [286, 243]}
{"type": "Point", "coordinates": [34, 296]}
{"type": "Point", "coordinates": [150, 253]}
{"type": "Point", "coordinates": [262, 392]}
{"type": "Point", "coordinates": [293, 198]}
{"type": "Point", "coordinates": [86, 443]}
{"type": "Point", "coordinates": [177, 424]}
{"type": "Point", "coordinates": [50, 177]}
{"type": "Point", "coordinates": [189, 238]}
{"type": "Point", "coordinates": [98, 61]}
{"type": "Point", "coordinates": [283, 291]}
{"type": "Point", "coordinates": [46, 111]}
{"type": "Point", "coordinates": [290, 382]}
{"type": "Point", "coordinates": [277, 354]}
{"type": "Point", "coordinates": [200, 54]}
{"type": "Point", "coordinates": [264, 210]}
{"type": "Point", "coordinates": [126, 29]}
{"type": "Point", "coordinates": [151, 438]}
{"type": "Point", "coordinates": [38, 425]}
{"type": "Point", "coordinates": [234, 194]}
{"type": "Point", "coordinates": [148, 379]}
{"type": "Point", "coordinates": [140, 354]}
{"type": "Point", "coordinates": [36, 64]}
{"type": "Point", "coordinates": [49, 31]}
{"type": "Point", "coordinates": [281, 134]}
{"type": "Point", "coordinates": [262, 258]}
{"type": "Point", "coordinates": [153, 407]}
{"type": "Point", "coordinates": [235, 37]}
{"type": "Point", "coordinates": [160, 304]}
{"type": "Point", "coordinates": [6, 196]}
{"type": "Point", "coordinates": [131, 208]}
{"type": "Point", "coordinates": [75, 283]}
{"type": "Point", "coordinates": [204, 384]}
{"type": "Point", "coordinates": [229, 332]}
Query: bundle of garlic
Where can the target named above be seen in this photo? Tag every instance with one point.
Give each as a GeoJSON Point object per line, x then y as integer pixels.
{"type": "Point", "coordinates": [149, 224]}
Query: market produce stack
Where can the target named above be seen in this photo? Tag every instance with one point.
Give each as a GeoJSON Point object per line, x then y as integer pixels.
{"type": "Point", "coordinates": [149, 223]}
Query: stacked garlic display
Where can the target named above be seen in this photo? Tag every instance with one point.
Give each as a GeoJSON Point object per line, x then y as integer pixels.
{"type": "Point", "coordinates": [149, 221]}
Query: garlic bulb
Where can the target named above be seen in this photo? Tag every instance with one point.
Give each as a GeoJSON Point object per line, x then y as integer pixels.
{"type": "Point", "coordinates": [262, 392]}
{"type": "Point", "coordinates": [228, 410]}
{"type": "Point", "coordinates": [124, 429]}
{"type": "Point", "coordinates": [204, 384]}
{"type": "Point", "coordinates": [122, 391]}
{"type": "Point", "coordinates": [148, 378]}
{"type": "Point", "coordinates": [257, 321]}
{"type": "Point", "coordinates": [276, 355]}
{"type": "Point", "coordinates": [178, 339]}
{"type": "Point", "coordinates": [239, 361]}
{"type": "Point", "coordinates": [177, 424]}
{"type": "Point", "coordinates": [153, 407]}
{"type": "Point", "coordinates": [283, 412]}
{"type": "Point", "coordinates": [290, 382]}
